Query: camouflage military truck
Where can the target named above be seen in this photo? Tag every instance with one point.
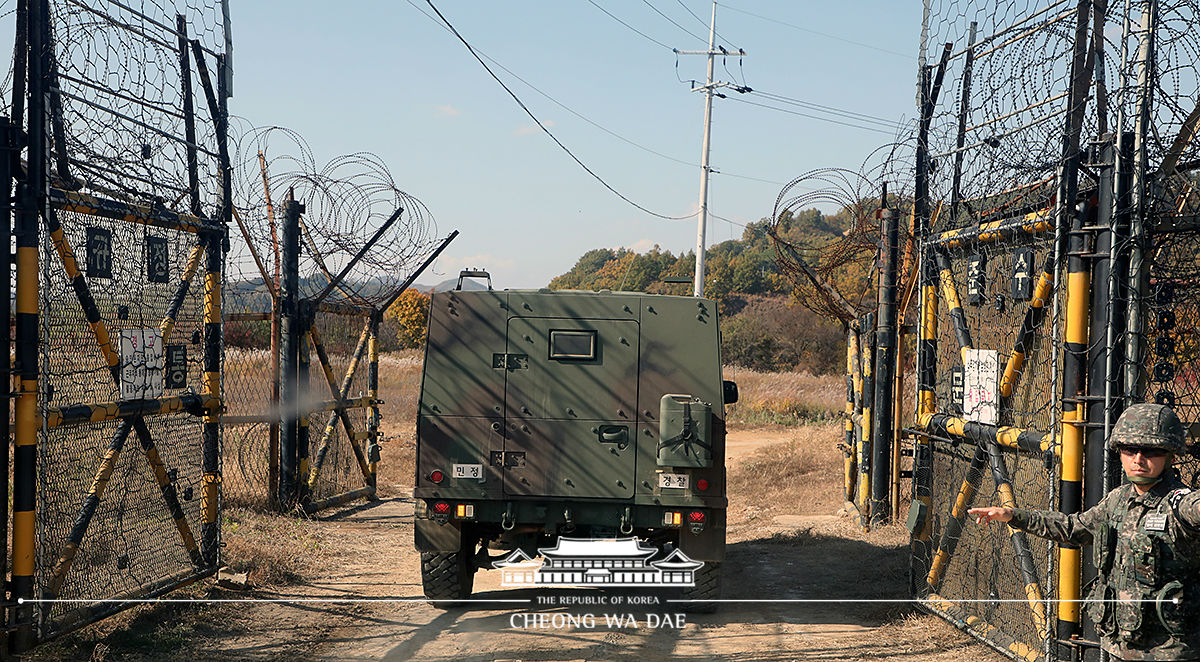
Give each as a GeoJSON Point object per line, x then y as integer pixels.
{"type": "Point", "coordinates": [566, 413]}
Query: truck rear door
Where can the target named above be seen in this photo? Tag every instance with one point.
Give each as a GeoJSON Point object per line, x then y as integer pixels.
{"type": "Point", "coordinates": [570, 399]}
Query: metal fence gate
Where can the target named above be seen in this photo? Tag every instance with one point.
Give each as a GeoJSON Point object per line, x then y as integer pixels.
{"type": "Point", "coordinates": [1056, 207]}
{"type": "Point", "coordinates": [120, 236]}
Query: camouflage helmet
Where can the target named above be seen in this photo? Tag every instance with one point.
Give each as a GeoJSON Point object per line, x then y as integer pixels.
{"type": "Point", "coordinates": [1151, 426]}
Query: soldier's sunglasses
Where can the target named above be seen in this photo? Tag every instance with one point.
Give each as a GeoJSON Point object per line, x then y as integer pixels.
{"type": "Point", "coordinates": [1146, 452]}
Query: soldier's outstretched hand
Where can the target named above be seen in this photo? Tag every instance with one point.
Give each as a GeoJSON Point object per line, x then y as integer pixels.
{"type": "Point", "coordinates": [997, 513]}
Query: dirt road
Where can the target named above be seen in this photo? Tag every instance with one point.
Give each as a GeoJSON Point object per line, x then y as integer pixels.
{"type": "Point", "coordinates": [819, 558]}
{"type": "Point", "coordinates": [785, 543]}
{"type": "Point", "coordinates": [776, 551]}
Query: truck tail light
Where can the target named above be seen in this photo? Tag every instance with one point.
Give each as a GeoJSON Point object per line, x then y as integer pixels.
{"type": "Point", "coordinates": [437, 477]}
{"type": "Point", "coordinates": [672, 519]}
{"type": "Point", "coordinates": [702, 484]}
{"type": "Point", "coordinates": [696, 517]}
{"type": "Point", "coordinates": [465, 511]}
{"type": "Point", "coordinates": [441, 507]}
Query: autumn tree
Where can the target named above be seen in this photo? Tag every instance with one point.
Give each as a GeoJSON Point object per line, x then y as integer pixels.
{"type": "Point", "coordinates": [411, 312]}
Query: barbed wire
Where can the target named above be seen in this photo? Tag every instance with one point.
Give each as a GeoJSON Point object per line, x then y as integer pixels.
{"type": "Point", "coordinates": [347, 200]}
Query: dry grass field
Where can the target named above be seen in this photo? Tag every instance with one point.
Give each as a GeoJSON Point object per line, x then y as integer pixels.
{"type": "Point", "coordinates": [784, 398]}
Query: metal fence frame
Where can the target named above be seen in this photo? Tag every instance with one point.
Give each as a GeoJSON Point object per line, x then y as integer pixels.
{"type": "Point", "coordinates": [1102, 304]}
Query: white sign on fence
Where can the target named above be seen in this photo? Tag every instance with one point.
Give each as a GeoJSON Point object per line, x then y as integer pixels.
{"type": "Point", "coordinates": [981, 387]}
{"type": "Point", "coordinates": [141, 364]}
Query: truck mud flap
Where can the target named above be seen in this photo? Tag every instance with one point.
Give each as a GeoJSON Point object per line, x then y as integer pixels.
{"type": "Point", "coordinates": [709, 544]}
{"type": "Point", "coordinates": [429, 536]}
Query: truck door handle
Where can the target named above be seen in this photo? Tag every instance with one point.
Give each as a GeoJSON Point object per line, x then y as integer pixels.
{"type": "Point", "coordinates": [614, 434]}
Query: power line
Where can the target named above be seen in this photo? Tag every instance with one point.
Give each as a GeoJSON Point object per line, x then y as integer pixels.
{"type": "Point", "coordinates": [727, 220]}
{"type": "Point", "coordinates": [672, 21]}
{"type": "Point", "coordinates": [610, 132]}
{"type": "Point", "coordinates": [753, 179]}
{"type": "Point", "coordinates": [841, 112]}
{"type": "Point", "coordinates": [613, 17]}
{"type": "Point", "coordinates": [815, 117]}
{"type": "Point", "coordinates": [543, 126]}
{"type": "Point", "coordinates": [817, 32]}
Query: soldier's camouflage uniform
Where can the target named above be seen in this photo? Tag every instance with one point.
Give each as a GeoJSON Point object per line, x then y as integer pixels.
{"type": "Point", "coordinates": [1147, 551]}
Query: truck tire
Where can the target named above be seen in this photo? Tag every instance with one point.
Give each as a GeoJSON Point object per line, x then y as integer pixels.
{"type": "Point", "coordinates": [708, 587]}
{"type": "Point", "coordinates": [447, 576]}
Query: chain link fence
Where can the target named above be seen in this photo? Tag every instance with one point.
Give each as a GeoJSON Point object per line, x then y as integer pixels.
{"type": "Point", "coordinates": [118, 228]}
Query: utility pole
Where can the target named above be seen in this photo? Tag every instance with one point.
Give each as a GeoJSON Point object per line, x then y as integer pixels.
{"type": "Point", "coordinates": [708, 89]}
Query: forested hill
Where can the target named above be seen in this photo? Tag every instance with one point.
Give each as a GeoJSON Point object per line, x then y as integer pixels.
{"type": "Point", "coordinates": [734, 268]}
{"type": "Point", "coordinates": [762, 327]}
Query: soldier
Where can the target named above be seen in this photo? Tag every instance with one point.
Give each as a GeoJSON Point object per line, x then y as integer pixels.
{"type": "Point", "coordinates": [1145, 538]}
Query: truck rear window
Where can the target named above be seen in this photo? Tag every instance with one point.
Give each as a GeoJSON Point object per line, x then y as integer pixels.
{"type": "Point", "coordinates": [573, 345]}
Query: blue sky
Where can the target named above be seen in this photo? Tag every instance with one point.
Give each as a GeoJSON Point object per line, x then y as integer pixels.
{"type": "Point", "coordinates": [381, 76]}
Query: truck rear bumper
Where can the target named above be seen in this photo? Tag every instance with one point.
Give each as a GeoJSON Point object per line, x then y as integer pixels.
{"type": "Point", "coordinates": [701, 529]}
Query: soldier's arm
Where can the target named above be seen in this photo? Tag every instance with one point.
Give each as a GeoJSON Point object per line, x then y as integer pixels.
{"type": "Point", "coordinates": [1073, 529]}
{"type": "Point", "coordinates": [1187, 508]}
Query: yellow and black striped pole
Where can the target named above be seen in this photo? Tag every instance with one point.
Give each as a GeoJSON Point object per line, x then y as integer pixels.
{"type": "Point", "coordinates": [31, 194]}
{"type": "Point", "coordinates": [210, 527]}
{"type": "Point", "coordinates": [952, 531]}
{"type": "Point", "coordinates": [373, 416]}
{"type": "Point", "coordinates": [1074, 419]}
{"type": "Point", "coordinates": [849, 460]}
{"type": "Point", "coordinates": [1020, 543]}
{"type": "Point", "coordinates": [1032, 442]}
{"type": "Point", "coordinates": [958, 319]}
{"type": "Point", "coordinates": [214, 297]}
{"type": "Point", "coordinates": [1029, 325]}
{"type": "Point", "coordinates": [863, 482]}
{"type": "Point", "coordinates": [1076, 329]}
{"type": "Point", "coordinates": [25, 413]}
{"type": "Point", "coordinates": [6, 264]}
{"type": "Point", "coordinates": [927, 342]}
{"type": "Point", "coordinates": [167, 326]}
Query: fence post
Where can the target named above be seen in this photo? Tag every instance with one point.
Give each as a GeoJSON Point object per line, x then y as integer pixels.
{"type": "Point", "coordinates": [303, 401]}
{"type": "Point", "coordinates": [1139, 269]}
{"type": "Point", "coordinates": [867, 344]}
{"type": "Point", "coordinates": [214, 338]}
{"type": "Point", "coordinates": [189, 114]}
{"type": "Point", "coordinates": [1117, 214]}
{"type": "Point", "coordinates": [922, 466]}
{"type": "Point", "coordinates": [849, 461]}
{"type": "Point", "coordinates": [273, 447]}
{"type": "Point", "coordinates": [885, 369]}
{"type": "Point", "coordinates": [210, 532]}
{"type": "Point", "coordinates": [25, 415]}
{"type": "Point", "coordinates": [6, 200]}
{"type": "Point", "coordinates": [1075, 332]}
{"type": "Point", "coordinates": [373, 415]}
{"type": "Point", "coordinates": [289, 355]}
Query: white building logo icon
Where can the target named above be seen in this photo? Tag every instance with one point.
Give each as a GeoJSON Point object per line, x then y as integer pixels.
{"type": "Point", "coordinates": [597, 562]}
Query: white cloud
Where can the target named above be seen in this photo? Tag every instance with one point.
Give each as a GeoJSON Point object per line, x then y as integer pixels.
{"type": "Point", "coordinates": [640, 246]}
{"type": "Point", "coordinates": [446, 110]}
{"type": "Point", "coordinates": [531, 128]}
